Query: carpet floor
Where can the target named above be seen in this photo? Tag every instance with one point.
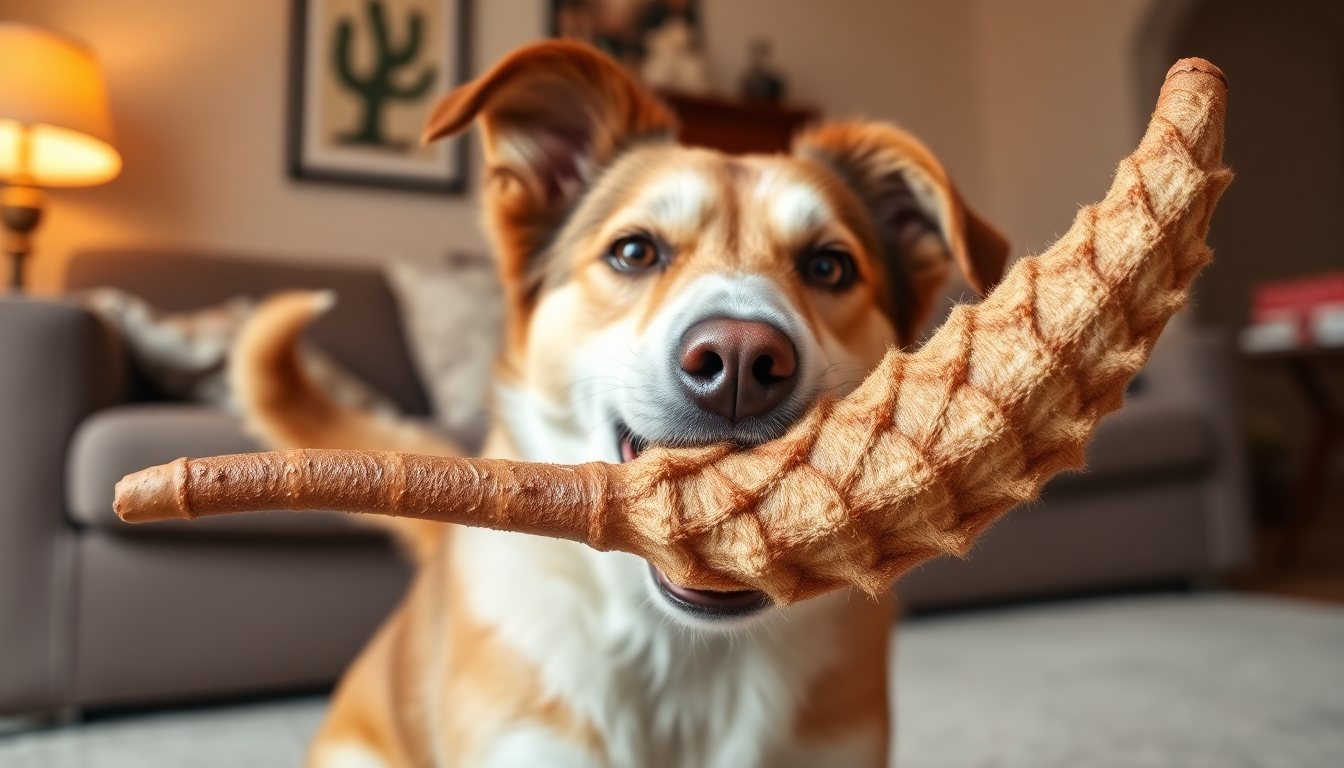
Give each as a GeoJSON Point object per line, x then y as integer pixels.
{"type": "Point", "coordinates": [1183, 681]}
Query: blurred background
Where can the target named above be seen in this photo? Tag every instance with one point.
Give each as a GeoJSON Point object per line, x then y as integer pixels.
{"type": "Point", "coordinates": [1029, 103]}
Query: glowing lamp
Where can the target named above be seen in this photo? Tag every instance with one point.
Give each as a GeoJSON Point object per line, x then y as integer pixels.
{"type": "Point", "coordinates": [55, 127]}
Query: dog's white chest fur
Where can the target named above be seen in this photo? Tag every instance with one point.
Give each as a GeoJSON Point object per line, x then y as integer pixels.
{"type": "Point", "coordinates": [658, 695]}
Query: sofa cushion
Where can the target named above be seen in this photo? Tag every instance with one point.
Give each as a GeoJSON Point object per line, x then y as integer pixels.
{"type": "Point", "coordinates": [1144, 441]}
{"type": "Point", "coordinates": [115, 442]}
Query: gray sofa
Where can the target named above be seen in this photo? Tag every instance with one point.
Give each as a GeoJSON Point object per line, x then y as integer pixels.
{"type": "Point", "coordinates": [96, 613]}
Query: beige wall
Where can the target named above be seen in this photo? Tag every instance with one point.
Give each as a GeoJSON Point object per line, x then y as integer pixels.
{"type": "Point", "coordinates": [912, 63]}
{"type": "Point", "coordinates": [1057, 101]}
{"type": "Point", "coordinates": [1029, 102]}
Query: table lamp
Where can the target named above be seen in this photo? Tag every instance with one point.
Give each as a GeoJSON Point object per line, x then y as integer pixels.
{"type": "Point", "coordinates": [55, 129]}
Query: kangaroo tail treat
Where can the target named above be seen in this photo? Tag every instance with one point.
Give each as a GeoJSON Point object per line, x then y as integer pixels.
{"type": "Point", "coordinates": [933, 447]}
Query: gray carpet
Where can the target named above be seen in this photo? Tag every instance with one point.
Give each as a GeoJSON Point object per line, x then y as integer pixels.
{"type": "Point", "coordinates": [1184, 681]}
{"type": "Point", "coordinates": [258, 736]}
{"type": "Point", "coordinates": [1188, 681]}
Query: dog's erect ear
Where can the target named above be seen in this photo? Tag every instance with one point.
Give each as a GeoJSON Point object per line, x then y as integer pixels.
{"type": "Point", "coordinates": [551, 115]}
{"type": "Point", "coordinates": [921, 221]}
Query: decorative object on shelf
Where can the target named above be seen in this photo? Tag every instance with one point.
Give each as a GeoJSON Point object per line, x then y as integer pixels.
{"type": "Point", "coordinates": [656, 40]}
{"type": "Point", "coordinates": [55, 128]}
{"type": "Point", "coordinates": [364, 76]}
{"type": "Point", "coordinates": [184, 356]}
{"type": "Point", "coordinates": [762, 82]}
{"type": "Point", "coordinates": [1298, 313]}
{"type": "Point", "coordinates": [673, 60]}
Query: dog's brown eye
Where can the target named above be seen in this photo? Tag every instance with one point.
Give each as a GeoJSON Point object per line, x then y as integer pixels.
{"type": "Point", "coordinates": [633, 253]}
{"type": "Point", "coordinates": [830, 269]}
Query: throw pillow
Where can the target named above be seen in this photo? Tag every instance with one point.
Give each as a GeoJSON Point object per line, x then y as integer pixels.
{"type": "Point", "coordinates": [453, 312]}
{"type": "Point", "coordinates": [184, 355]}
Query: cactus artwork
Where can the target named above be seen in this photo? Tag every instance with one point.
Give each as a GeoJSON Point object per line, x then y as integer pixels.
{"type": "Point", "coordinates": [378, 86]}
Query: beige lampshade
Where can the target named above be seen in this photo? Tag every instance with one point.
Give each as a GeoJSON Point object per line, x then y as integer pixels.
{"type": "Point", "coordinates": [55, 128]}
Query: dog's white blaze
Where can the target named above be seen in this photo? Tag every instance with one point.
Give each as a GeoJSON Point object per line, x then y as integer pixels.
{"type": "Point", "coordinates": [798, 209]}
{"type": "Point", "coordinates": [679, 201]}
{"type": "Point", "coordinates": [794, 207]}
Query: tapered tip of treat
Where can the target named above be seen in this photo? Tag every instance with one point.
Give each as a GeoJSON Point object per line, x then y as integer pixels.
{"type": "Point", "coordinates": [1202, 66]}
{"type": "Point", "coordinates": [152, 494]}
{"type": "Point", "coordinates": [1196, 75]}
{"type": "Point", "coordinates": [1193, 102]}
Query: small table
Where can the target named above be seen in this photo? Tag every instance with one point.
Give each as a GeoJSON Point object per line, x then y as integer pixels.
{"type": "Point", "coordinates": [1305, 365]}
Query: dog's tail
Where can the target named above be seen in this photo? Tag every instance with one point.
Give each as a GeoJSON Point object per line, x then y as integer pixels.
{"type": "Point", "coordinates": [285, 409]}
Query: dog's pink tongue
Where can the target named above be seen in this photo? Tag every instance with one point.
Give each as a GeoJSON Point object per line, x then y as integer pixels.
{"type": "Point", "coordinates": [628, 452]}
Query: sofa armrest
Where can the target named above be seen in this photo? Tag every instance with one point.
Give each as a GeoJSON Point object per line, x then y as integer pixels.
{"type": "Point", "coordinates": [58, 363]}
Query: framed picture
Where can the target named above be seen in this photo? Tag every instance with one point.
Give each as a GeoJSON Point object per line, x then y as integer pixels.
{"type": "Point", "coordinates": [629, 30]}
{"type": "Point", "coordinates": [364, 77]}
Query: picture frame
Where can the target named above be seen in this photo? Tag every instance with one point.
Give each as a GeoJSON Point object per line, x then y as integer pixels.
{"type": "Point", "coordinates": [364, 77]}
{"type": "Point", "coordinates": [621, 28]}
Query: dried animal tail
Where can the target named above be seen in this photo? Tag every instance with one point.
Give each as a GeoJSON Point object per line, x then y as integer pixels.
{"type": "Point", "coordinates": [546, 499]}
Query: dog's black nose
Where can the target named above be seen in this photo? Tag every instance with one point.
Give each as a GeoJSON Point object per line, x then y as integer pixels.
{"type": "Point", "coordinates": [737, 368]}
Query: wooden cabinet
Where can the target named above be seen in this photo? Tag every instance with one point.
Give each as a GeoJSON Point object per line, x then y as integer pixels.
{"type": "Point", "coordinates": [737, 127]}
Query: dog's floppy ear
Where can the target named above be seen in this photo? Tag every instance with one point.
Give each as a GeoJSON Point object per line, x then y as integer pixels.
{"type": "Point", "coordinates": [551, 115]}
{"type": "Point", "coordinates": [922, 223]}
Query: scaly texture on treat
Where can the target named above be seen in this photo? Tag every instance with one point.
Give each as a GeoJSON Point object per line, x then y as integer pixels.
{"type": "Point", "coordinates": [916, 462]}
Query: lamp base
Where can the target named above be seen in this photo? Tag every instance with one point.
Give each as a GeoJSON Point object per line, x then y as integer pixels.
{"type": "Point", "coordinates": [16, 271]}
{"type": "Point", "coordinates": [20, 210]}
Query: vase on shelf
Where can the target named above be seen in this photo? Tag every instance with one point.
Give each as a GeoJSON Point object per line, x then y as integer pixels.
{"type": "Point", "coordinates": [762, 82]}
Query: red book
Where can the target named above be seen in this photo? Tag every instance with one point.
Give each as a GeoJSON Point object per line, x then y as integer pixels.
{"type": "Point", "coordinates": [1296, 298]}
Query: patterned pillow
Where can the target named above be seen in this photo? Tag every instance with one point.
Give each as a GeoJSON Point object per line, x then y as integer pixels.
{"type": "Point", "coordinates": [184, 355]}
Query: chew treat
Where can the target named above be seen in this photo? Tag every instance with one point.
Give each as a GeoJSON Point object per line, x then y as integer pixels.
{"type": "Point", "coordinates": [916, 462]}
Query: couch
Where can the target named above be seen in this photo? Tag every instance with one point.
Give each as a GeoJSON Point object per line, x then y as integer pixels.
{"type": "Point", "coordinates": [96, 613]}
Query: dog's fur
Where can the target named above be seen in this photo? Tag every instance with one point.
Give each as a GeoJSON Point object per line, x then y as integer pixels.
{"type": "Point", "coordinates": [521, 651]}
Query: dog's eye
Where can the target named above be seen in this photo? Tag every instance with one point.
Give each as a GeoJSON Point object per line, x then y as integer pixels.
{"type": "Point", "coordinates": [829, 268]}
{"type": "Point", "coordinates": [633, 254]}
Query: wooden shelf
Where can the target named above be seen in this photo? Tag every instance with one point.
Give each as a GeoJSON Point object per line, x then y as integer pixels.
{"type": "Point", "coordinates": [737, 127]}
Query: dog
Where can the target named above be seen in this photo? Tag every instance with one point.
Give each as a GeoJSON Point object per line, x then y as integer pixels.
{"type": "Point", "coordinates": [656, 294]}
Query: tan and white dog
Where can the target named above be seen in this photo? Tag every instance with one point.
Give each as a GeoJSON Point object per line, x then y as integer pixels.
{"type": "Point", "coordinates": [656, 294]}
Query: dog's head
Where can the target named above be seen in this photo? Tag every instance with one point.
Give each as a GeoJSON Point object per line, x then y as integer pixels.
{"type": "Point", "coordinates": [660, 294]}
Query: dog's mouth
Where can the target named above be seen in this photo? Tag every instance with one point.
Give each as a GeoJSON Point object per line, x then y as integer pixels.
{"type": "Point", "coordinates": [701, 603]}
{"type": "Point", "coordinates": [629, 444]}
{"type": "Point", "coordinates": [710, 605]}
